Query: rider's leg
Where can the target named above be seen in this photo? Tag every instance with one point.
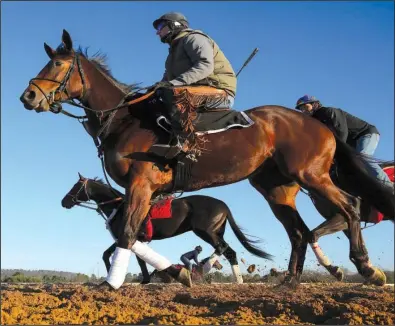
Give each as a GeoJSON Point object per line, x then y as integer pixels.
{"type": "Point", "coordinates": [226, 103]}
{"type": "Point", "coordinates": [187, 263]}
{"type": "Point", "coordinates": [214, 99]}
{"type": "Point", "coordinates": [367, 144]}
{"type": "Point", "coordinates": [173, 112]}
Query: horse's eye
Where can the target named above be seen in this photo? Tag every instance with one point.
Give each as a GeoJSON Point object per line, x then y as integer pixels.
{"type": "Point", "coordinates": [58, 63]}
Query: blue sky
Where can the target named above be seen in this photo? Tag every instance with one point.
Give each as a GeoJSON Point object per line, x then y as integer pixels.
{"type": "Point", "coordinates": [341, 52]}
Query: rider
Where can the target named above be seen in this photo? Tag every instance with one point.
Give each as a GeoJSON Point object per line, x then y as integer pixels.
{"type": "Point", "coordinates": [364, 137]}
{"type": "Point", "coordinates": [186, 258]}
{"type": "Point", "coordinates": [195, 60]}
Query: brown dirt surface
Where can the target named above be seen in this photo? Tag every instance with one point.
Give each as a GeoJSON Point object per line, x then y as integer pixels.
{"type": "Point", "coordinates": [247, 304]}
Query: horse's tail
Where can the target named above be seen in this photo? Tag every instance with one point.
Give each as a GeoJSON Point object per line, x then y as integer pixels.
{"type": "Point", "coordinates": [246, 243]}
{"type": "Point", "coordinates": [360, 182]}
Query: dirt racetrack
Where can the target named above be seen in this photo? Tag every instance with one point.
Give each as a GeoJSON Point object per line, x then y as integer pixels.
{"type": "Point", "coordinates": [316, 303]}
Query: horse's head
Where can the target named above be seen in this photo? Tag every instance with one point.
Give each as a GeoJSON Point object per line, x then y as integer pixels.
{"type": "Point", "coordinates": [78, 193]}
{"type": "Point", "coordinates": [61, 79]}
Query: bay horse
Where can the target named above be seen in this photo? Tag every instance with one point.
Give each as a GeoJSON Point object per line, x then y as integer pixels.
{"type": "Point", "coordinates": [203, 215]}
{"type": "Point", "coordinates": [282, 151]}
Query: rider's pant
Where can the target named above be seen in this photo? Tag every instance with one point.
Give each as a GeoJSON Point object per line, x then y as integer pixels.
{"type": "Point", "coordinates": [367, 144]}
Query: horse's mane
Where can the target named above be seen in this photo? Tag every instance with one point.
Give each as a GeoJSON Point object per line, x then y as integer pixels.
{"type": "Point", "coordinates": [101, 182]}
{"type": "Point", "coordinates": [99, 59]}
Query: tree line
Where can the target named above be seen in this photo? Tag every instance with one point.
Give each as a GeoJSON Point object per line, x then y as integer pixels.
{"type": "Point", "coordinates": [215, 277]}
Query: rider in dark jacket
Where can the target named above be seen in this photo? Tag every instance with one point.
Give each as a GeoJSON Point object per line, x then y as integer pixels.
{"type": "Point", "coordinates": [361, 135]}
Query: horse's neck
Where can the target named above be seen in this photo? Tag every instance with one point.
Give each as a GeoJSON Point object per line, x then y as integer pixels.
{"type": "Point", "coordinates": [110, 209]}
{"type": "Point", "coordinates": [103, 93]}
{"type": "Point", "coordinates": [100, 196]}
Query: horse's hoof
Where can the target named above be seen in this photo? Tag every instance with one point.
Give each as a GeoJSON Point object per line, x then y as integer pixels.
{"type": "Point", "coordinates": [377, 278]}
{"type": "Point", "coordinates": [336, 271]}
{"type": "Point", "coordinates": [339, 274]}
{"type": "Point", "coordinates": [290, 282]}
{"type": "Point", "coordinates": [184, 277]}
{"type": "Point", "coordinates": [105, 286]}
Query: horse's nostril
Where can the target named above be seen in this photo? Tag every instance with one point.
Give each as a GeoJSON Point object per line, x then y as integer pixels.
{"type": "Point", "coordinates": [31, 95]}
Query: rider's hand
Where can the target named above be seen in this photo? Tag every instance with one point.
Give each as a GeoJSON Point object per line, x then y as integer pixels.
{"type": "Point", "coordinates": [163, 84]}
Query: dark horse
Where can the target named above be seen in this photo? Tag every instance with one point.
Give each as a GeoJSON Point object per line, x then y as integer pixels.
{"type": "Point", "coordinates": [282, 151]}
{"type": "Point", "coordinates": [331, 214]}
{"type": "Point", "coordinates": [205, 216]}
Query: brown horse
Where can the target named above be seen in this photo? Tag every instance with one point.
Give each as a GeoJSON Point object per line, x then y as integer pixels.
{"type": "Point", "coordinates": [280, 152]}
{"type": "Point", "coordinates": [203, 215]}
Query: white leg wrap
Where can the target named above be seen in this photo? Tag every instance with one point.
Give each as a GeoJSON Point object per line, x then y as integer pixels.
{"type": "Point", "coordinates": [209, 263]}
{"type": "Point", "coordinates": [150, 257]}
{"type": "Point", "coordinates": [119, 267]}
{"type": "Point", "coordinates": [322, 259]}
{"type": "Point", "coordinates": [237, 274]}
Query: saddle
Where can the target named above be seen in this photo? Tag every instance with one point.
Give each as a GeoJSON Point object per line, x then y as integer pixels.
{"type": "Point", "coordinates": [197, 120]}
{"type": "Point", "coordinates": [160, 210]}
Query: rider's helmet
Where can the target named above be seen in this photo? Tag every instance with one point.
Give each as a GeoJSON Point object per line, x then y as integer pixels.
{"type": "Point", "coordinates": [175, 21]}
{"type": "Point", "coordinates": [305, 100]}
{"type": "Point", "coordinates": [199, 248]}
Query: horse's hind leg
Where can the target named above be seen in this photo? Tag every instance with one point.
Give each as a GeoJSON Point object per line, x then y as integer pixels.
{"type": "Point", "coordinates": [231, 256]}
{"type": "Point", "coordinates": [331, 225]}
{"type": "Point", "coordinates": [215, 239]}
{"type": "Point", "coordinates": [334, 222]}
{"type": "Point", "coordinates": [280, 192]}
{"type": "Point", "coordinates": [319, 182]}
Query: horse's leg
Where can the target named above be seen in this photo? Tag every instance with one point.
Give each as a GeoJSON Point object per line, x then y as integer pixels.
{"type": "Point", "coordinates": [137, 204]}
{"type": "Point", "coordinates": [218, 243]}
{"type": "Point", "coordinates": [107, 254]}
{"type": "Point", "coordinates": [208, 221]}
{"type": "Point", "coordinates": [144, 270]}
{"type": "Point", "coordinates": [229, 253]}
{"type": "Point", "coordinates": [334, 222]}
{"type": "Point", "coordinates": [318, 181]}
{"type": "Point", "coordinates": [280, 192]}
{"type": "Point", "coordinates": [231, 256]}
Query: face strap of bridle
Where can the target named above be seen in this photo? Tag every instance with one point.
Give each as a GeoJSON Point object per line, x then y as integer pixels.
{"type": "Point", "coordinates": [55, 106]}
{"type": "Point", "coordinates": [91, 205]}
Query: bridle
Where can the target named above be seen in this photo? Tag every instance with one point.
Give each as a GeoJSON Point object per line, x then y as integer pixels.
{"type": "Point", "coordinates": [86, 203]}
{"type": "Point", "coordinates": [56, 106]}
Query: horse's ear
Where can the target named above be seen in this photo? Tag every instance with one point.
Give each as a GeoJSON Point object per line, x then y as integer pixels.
{"type": "Point", "coordinates": [66, 40]}
{"type": "Point", "coordinates": [80, 176]}
{"type": "Point", "coordinates": [51, 52]}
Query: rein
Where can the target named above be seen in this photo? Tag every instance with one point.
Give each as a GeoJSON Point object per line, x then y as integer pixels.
{"type": "Point", "coordinates": [88, 205]}
{"type": "Point", "coordinates": [56, 106]}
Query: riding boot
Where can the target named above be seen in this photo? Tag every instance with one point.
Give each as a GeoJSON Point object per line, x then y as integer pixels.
{"type": "Point", "coordinates": [179, 137]}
